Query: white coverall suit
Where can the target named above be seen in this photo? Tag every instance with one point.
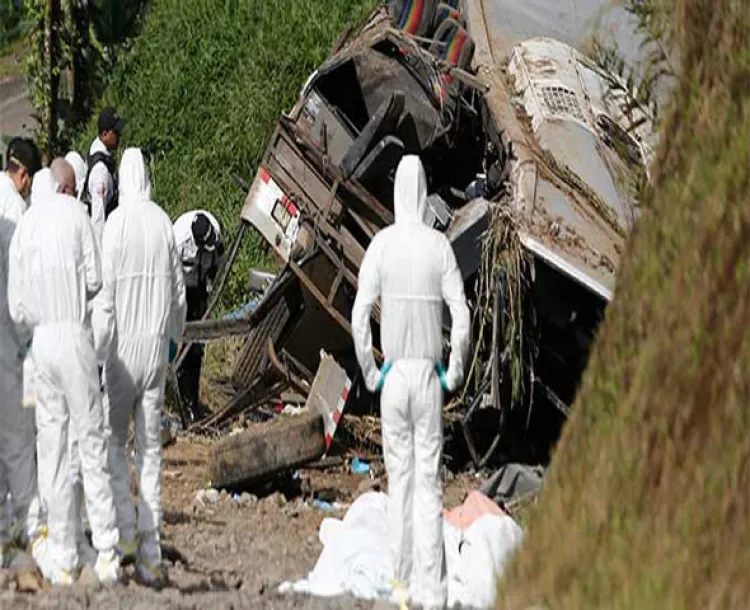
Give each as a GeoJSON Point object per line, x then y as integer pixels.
{"type": "Point", "coordinates": [413, 270]}
{"type": "Point", "coordinates": [44, 185]}
{"type": "Point", "coordinates": [17, 448]}
{"type": "Point", "coordinates": [100, 185]}
{"type": "Point", "coordinates": [141, 307]}
{"type": "Point", "coordinates": [80, 169]}
{"type": "Point", "coordinates": [54, 271]}
{"type": "Point", "coordinates": [85, 554]}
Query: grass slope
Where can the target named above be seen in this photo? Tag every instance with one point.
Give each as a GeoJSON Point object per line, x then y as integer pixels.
{"type": "Point", "coordinates": [648, 500]}
{"type": "Point", "coordinates": [202, 89]}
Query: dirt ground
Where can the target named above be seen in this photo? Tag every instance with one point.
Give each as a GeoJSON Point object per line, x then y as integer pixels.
{"type": "Point", "coordinates": [225, 553]}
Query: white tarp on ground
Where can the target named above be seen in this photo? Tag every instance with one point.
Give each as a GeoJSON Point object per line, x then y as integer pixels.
{"type": "Point", "coordinates": [356, 561]}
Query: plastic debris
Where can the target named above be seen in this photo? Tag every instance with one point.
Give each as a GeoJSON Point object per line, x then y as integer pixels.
{"type": "Point", "coordinates": [292, 410]}
{"type": "Point", "coordinates": [242, 312]}
{"type": "Point", "coordinates": [207, 496]}
{"type": "Point", "coordinates": [360, 467]}
{"type": "Point", "coordinates": [325, 505]}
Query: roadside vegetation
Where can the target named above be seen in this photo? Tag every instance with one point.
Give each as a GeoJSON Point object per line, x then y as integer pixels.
{"type": "Point", "coordinates": [12, 23]}
{"type": "Point", "coordinates": [202, 89]}
{"type": "Point", "coordinates": [647, 503]}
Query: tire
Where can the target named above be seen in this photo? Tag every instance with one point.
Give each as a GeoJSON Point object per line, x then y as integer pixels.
{"type": "Point", "coordinates": [253, 358]}
{"type": "Point", "coordinates": [262, 452]}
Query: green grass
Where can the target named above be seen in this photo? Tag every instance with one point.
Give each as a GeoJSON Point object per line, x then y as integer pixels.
{"type": "Point", "coordinates": [202, 89]}
{"type": "Point", "coordinates": [647, 503]}
{"type": "Point", "coordinates": [12, 57]}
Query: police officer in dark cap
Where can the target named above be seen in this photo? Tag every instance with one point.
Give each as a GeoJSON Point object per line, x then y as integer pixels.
{"type": "Point", "coordinates": [201, 249]}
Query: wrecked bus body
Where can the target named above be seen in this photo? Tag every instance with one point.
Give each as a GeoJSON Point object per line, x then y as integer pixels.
{"type": "Point", "coordinates": [537, 203]}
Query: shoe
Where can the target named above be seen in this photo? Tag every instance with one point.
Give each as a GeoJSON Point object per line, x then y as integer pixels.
{"type": "Point", "coordinates": [39, 545]}
{"type": "Point", "coordinates": [107, 567]}
{"type": "Point", "coordinates": [59, 578]}
{"type": "Point", "coordinates": [51, 573]}
{"type": "Point", "coordinates": [127, 551]}
{"type": "Point", "coordinates": [149, 575]}
{"type": "Point", "coordinates": [400, 595]}
{"type": "Point", "coordinates": [28, 401]}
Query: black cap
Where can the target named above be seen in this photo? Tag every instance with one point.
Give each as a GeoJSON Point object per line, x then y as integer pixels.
{"type": "Point", "coordinates": [23, 152]}
{"type": "Point", "coordinates": [110, 120]}
{"type": "Point", "coordinates": [203, 230]}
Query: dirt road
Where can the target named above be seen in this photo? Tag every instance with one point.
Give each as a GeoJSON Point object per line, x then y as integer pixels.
{"type": "Point", "coordinates": [223, 555]}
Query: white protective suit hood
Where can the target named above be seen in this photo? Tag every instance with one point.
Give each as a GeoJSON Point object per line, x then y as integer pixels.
{"type": "Point", "coordinates": [133, 180]}
{"type": "Point", "coordinates": [410, 191]}
{"type": "Point", "coordinates": [79, 167]}
{"type": "Point", "coordinates": [43, 186]}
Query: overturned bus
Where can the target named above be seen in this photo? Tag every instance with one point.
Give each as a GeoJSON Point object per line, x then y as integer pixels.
{"type": "Point", "coordinates": [537, 212]}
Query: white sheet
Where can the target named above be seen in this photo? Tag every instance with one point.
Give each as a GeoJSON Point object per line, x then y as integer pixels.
{"type": "Point", "coordinates": [355, 559]}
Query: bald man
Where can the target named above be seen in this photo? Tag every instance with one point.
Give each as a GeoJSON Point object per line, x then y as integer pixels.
{"type": "Point", "coordinates": [65, 176]}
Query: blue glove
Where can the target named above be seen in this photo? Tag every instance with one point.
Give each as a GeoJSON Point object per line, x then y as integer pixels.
{"type": "Point", "coordinates": [383, 373]}
{"type": "Point", "coordinates": [441, 373]}
{"type": "Point", "coordinates": [172, 351]}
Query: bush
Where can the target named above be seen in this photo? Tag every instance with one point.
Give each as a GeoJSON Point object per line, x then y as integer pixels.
{"type": "Point", "coordinates": [202, 89]}
{"type": "Point", "coordinates": [11, 21]}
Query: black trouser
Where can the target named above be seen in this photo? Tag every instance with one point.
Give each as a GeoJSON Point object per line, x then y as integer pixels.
{"type": "Point", "coordinates": [189, 374]}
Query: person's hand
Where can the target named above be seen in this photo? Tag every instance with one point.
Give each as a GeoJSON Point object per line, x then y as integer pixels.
{"type": "Point", "coordinates": [442, 376]}
{"type": "Point", "coordinates": [385, 369]}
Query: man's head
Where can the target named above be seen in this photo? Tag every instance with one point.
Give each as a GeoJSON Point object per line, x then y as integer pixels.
{"type": "Point", "coordinates": [22, 161]}
{"type": "Point", "coordinates": [110, 126]}
{"type": "Point", "coordinates": [64, 175]}
{"type": "Point", "coordinates": [203, 232]}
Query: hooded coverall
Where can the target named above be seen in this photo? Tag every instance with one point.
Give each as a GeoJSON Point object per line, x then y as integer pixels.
{"type": "Point", "coordinates": [80, 169]}
{"type": "Point", "coordinates": [54, 271]}
{"type": "Point", "coordinates": [17, 466]}
{"type": "Point", "coordinates": [412, 269]}
{"type": "Point", "coordinates": [100, 186]}
{"type": "Point", "coordinates": [140, 309]}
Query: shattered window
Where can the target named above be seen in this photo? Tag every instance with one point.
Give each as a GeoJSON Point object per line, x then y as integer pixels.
{"type": "Point", "coordinates": [561, 102]}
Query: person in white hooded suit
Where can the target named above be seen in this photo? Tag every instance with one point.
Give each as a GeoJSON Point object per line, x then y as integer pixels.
{"type": "Point", "coordinates": [17, 467]}
{"type": "Point", "coordinates": [140, 310]}
{"type": "Point", "coordinates": [54, 271]}
{"type": "Point", "coordinates": [412, 269]}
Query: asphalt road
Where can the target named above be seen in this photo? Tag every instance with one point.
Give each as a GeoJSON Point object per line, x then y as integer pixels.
{"type": "Point", "coordinates": [570, 21]}
{"type": "Point", "coordinates": [15, 110]}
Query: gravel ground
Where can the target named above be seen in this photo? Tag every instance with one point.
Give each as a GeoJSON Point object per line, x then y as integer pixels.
{"type": "Point", "coordinates": [221, 553]}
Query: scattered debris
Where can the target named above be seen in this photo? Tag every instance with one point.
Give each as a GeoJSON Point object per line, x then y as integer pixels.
{"type": "Point", "coordinates": [325, 505]}
{"type": "Point", "coordinates": [206, 497]}
{"type": "Point", "coordinates": [359, 467]}
{"type": "Point", "coordinates": [513, 482]}
{"type": "Point", "coordinates": [274, 501]}
{"type": "Point", "coordinates": [259, 453]}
